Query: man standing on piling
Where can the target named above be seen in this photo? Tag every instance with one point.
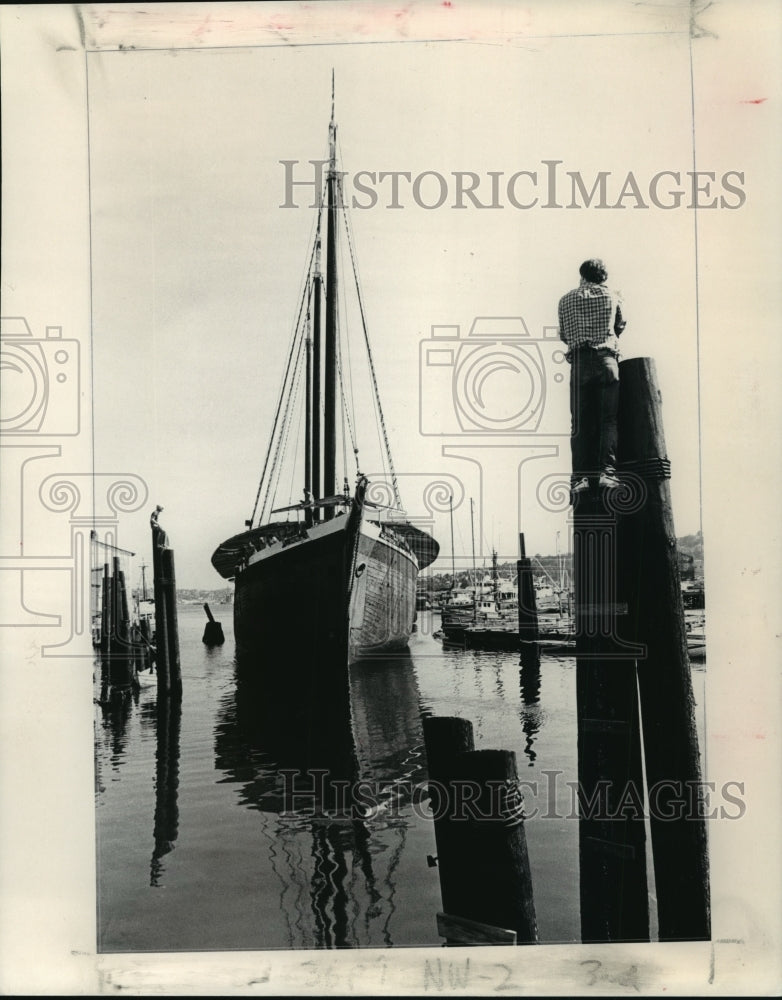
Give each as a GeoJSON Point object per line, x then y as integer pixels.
{"type": "Point", "coordinates": [590, 322]}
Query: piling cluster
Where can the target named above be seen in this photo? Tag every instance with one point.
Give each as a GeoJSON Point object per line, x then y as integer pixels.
{"type": "Point", "coordinates": [634, 694]}
{"type": "Point", "coordinates": [482, 858]}
{"type": "Point", "coordinates": [122, 649]}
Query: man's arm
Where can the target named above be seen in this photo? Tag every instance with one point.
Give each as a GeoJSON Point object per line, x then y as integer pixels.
{"type": "Point", "coordinates": [561, 316]}
{"type": "Point", "coordinates": [619, 322]}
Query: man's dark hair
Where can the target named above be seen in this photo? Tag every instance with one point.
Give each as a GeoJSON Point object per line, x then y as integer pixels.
{"type": "Point", "coordinates": [594, 271]}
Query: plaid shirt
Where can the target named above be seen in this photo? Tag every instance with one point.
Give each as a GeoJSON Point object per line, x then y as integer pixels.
{"type": "Point", "coordinates": [591, 314]}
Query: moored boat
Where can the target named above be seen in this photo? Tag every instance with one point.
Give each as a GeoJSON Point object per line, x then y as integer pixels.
{"type": "Point", "coordinates": [335, 578]}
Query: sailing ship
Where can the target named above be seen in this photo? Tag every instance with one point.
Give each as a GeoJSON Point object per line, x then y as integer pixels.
{"type": "Point", "coordinates": [332, 576]}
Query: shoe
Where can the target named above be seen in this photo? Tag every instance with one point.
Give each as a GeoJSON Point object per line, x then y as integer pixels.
{"type": "Point", "coordinates": [580, 487]}
{"type": "Point", "coordinates": [608, 481]}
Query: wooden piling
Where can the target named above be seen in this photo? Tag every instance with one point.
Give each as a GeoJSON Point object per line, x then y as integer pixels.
{"type": "Point", "coordinates": [652, 588]}
{"type": "Point", "coordinates": [496, 879]}
{"type": "Point", "coordinates": [481, 847]}
{"type": "Point", "coordinates": [127, 648]}
{"type": "Point", "coordinates": [146, 642]}
{"type": "Point", "coordinates": [528, 609]}
{"type": "Point", "coordinates": [612, 848]}
{"type": "Point", "coordinates": [172, 629]}
{"type": "Point", "coordinates": [213, 631]}
{"type": "Point", "coordinates": [105, 618]}
{"type": "Point", "coordinates": [444, 738]}
{"type": "Point", "coordinates": [161, 626]}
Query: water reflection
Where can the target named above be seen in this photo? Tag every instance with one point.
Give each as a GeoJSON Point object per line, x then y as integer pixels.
{"type": "Point", "coordinates": [333, 776]}
{"type": "Point", "coordinates": [529, 682]}
{"type": "Point", "coordinates": [166, 824]}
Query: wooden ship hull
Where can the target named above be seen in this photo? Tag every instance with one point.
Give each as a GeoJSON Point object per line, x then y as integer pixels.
{"type": "Point", "coordinates": [339, 591]}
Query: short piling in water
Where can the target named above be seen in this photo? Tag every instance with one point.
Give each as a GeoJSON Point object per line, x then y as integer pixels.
{"type": "Point", "coordinates": [650, 581]}
{"type": "Point", "coordinates": [528, 609]}
{"type": "Point", "coordinates": [213, 631]}
{"type": "Point", "coordinates": [481, 847]}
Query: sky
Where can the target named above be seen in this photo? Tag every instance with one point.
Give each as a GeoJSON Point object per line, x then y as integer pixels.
{"type": "Point", "coordinates": [197, 267]}
{"type": "Point", "coordinates": [157, 243]}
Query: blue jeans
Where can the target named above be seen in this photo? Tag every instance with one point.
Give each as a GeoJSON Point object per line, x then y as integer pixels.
{"type": "Point", "coordinates": [594, 401]}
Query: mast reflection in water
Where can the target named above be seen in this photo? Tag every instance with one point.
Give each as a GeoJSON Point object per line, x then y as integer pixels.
{"type": "Point", "coordinates": [337, 776]}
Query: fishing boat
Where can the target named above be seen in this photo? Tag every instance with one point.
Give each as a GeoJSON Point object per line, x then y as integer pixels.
{"type": "Point", "coordinates": [333, 576]}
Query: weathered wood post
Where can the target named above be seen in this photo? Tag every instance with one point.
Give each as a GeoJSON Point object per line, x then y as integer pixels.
{"type": "Point", "coordinates": [528, 608]}
{"type": "Point", "coordinates": [652, 588]}
{"type": "Point", "coordinates": [127, 648]}
{"type": "Point", "coordinates": [496, 868]}
{"type": "Point", "coordinates": [146, 642]}
{"type": "Point", "coordinates": [444, 738]}
{"type": "Point", "coordinates": [481, 848]}
{"type": "Point", "coordinates": [172, 628]}
{"type": "Point", "coordinates": [161, 624]}
{"type": "Point", "coordinates": [213, 631]}
{"type": "Point", "coordinates": [105, 617]}
{"type": "Point", "coordinates": [612, 849]}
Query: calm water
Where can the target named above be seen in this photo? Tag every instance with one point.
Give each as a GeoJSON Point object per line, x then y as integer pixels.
{"type": "Point", "coordinates": [197, 851]}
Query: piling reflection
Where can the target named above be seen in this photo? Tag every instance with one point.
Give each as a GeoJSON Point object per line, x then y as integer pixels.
{"type": "Point", "coordinates": [166, 823]}
{"type": "Point", "coordinates": [115, 713]}
{"type": "Point", "coordinates": [332, 776]}
{"type": "Point", "coordinates": [529, 683]}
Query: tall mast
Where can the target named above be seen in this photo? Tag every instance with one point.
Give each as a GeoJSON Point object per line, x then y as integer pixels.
{"type": "Point", "coordinates": [330, 388]}
{"type": "Point", "coordinates": [308, 421]}
{"type": "Point", "coordinates": [317, 295]}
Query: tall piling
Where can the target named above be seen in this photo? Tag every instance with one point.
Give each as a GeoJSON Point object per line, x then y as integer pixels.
{"type": "Point", "coordinates": [161, 625]}
{"type": "Point", "coordinates": [612, 839]}
{"type": "Point", "coordinates": [172, 628]}
{"type": "Point", "coordinates": [652, 588]}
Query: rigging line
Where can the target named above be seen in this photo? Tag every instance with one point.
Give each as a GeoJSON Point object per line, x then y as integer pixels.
{"type": "Point", "coordinates": [351, 396]}
{"type": "Point", "coordinates": [287, 371]}
{"type": "Point", "coordinates": [297, 439]}
{"type": "Point", "coordinates": [274, 471]}
{"type": "Point", "coordinates": [554, 582]}
{"type": "Point", "coordinates": [287, 427]}
{"type": "Point", "coordinates": [346, 416]}
{"type": "Point", "coordinates": [387, 473]}
{"type": "Point", "coordinates": [394, 484]}
{"type": "Point", "coordinates": [274, 477]}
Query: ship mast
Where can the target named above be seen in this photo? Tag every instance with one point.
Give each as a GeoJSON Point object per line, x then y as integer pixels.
{"type": "Point", "coordinates": [308, 422]}
{"type": "Point", "coordinates": [315, 463]}
{"type": "Point", "coordinates": [330, 387]}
